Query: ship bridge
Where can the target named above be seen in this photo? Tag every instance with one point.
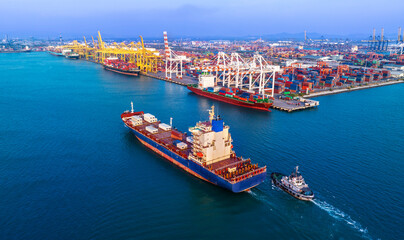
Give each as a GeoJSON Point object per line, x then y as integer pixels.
{"type": "Point", "coordinates": [212, 140]}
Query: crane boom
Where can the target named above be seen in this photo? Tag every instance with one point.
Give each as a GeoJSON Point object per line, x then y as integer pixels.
{"type": "Point", "coordinates": [100, 42]}
{"type": "Point", "coordinates": [141, 39]}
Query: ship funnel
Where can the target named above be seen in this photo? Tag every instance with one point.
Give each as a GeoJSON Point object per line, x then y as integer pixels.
{"type": "Point", "coordinates": [131, 105]}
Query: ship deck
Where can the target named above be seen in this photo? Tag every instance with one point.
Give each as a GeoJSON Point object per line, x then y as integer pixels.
{"type": "Point", "coordinates": [232, 169]}
{"type": "Point", "coordinates": [162, 137]}
{"type": "Point", "coordinates": [226, 163]}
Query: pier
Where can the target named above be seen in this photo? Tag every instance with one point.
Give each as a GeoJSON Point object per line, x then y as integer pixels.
{"type": "Point", "coordinates": [180, 81]}
{"type": "Point", "coordinates": [279, 104]}
{"type": "Point", "coordinates": [373, 85]}
{"type": "Point", "coordinates": [294, 105]}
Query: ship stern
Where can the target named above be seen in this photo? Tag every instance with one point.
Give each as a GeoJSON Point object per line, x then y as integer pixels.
{"type": "Point", "coordinates": [248, 183]}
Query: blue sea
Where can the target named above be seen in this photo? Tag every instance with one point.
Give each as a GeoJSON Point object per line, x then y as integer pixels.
{"type": "Point", "coordinates": [71, 170]}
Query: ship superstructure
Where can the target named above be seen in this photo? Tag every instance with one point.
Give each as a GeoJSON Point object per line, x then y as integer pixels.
{"type": "Point", "coordinates": [207, 154]}
{"type": "Point", "coordinates": [211, 140]}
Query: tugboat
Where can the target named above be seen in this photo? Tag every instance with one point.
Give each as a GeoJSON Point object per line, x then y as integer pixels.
{"type": "Point", "coordinates": [293, 184]}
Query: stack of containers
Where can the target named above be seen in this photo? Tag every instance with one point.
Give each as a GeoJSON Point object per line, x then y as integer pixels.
{"type": "Point", "coordinates": [294, 87]}
{"type": "Point", "coordinates": [279, 87]}
{"type": "Point", "coordinates": [386, 74]}
{"type": "Point", "coordinates": [359, 78]}
{"type": "Point", "coordinates": [329, 81]}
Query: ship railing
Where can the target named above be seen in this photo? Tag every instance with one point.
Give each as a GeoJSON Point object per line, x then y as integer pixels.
{"type": "Point", "coordinates": [249, 174]}
{"type": "Point", "coordinates": [241, 168]}
{"type": "Point", "coordinates": [241, 162]}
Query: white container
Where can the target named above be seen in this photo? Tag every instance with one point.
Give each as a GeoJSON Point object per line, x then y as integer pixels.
{"type": "Point", "coordinates": [136, 121]}
{"type": "Point", "coordinates": [164, 126]}
{"type": "Point", "coordinates": [152, 129]}
{"type": "Point", "coordinates": [182, 145]}
{"type": "Point", "coordinates": [149, 118]}
{"type": "Point", "coordinates": [190, 139]}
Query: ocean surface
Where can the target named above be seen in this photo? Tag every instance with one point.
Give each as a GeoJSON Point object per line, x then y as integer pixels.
{"type": "Point", "coordinates": [71, 170]}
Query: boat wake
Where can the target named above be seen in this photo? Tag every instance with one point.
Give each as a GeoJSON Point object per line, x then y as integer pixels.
{"type": "Point", "coordinates": [261, 198]}
{"type": "Point", "coordinates": [341, 216]}
{"type": "Point", "coordinates": [331, 210]}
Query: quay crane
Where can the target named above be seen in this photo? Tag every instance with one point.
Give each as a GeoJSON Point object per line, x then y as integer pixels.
{"type": "Point", "coordinates": [234, 71]}
{"type": "Point", "coordinates": [146, 59]}
{"type": "Point", "coordinates": [174, 62]}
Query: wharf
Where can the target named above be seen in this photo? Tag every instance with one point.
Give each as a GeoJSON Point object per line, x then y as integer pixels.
{"type": "Point", "coordinates": [293, 105]}
{"type": "Point", "coordinates": [161, 75]}
{"type": "Point", "coordinates": [336, 91]}
{"type": "Point", "coordinates": [279, 104]}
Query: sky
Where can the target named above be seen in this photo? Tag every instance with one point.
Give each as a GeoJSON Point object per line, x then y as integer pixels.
{"type": "Point", "coordinates": [208, 18]}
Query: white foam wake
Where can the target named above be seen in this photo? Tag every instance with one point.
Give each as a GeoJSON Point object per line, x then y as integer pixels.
{"type": "Point", "coordinates": [331, 210]}
{"type": "Point", "coordinates": [341, 216]}
{"type": "Point", "coordinates": [261, 198]}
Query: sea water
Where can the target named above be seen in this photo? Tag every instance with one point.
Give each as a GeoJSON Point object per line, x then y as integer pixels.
{"type": "Point", "coordinates": [71, 170]}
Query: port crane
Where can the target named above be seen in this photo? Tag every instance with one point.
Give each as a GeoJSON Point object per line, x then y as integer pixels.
{"type": "Point", "coordinates": [233, 71]}
{"type": "Point", "coordinates": [174, 62]}
{"type": "Point", "coordinates": [377, 43]}
{"type": "Point", "coordinates": [145, 58]}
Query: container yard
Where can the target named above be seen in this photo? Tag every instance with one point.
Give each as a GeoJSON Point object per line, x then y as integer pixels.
{"type": "Point", "coordinates": [284, 74]}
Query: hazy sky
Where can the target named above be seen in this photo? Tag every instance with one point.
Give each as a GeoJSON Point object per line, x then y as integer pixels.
{"type": "Point", "coordinates": [130, 18]}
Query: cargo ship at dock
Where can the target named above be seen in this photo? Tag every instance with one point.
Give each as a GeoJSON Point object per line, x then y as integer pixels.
{"type": "Point", "coordinates": [207, 154]}
{"type": "Point", "coordinates": [122, 67]}
{"type": "Point", "coordinates": [206, 87]}
{"type": "Point", "coordinates": [55, 52]}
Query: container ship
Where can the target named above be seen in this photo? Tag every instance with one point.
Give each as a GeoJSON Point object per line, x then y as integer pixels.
{"type": "Point", "coordinates": [206, 87]}
{"type": "Point", "coordinates": [122, 67]}
{"type": "Point", "coordinates": [207, 154]}
{"type": "Point", "coordinates": [55, 52]}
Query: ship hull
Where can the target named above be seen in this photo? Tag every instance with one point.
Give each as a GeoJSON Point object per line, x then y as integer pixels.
{"type": "Point", "coordinates": [259, 106]}
{"type": "Point", "coordinates": [56, 54]}
{"type": "Point", "coordinates": [125, 72]}
{"type": "Point", "coordinates": [198, 170]}
{"type": "Point", "coordinates": [276, 180]}
{"type": "Point", "coordinates": [72, 57]}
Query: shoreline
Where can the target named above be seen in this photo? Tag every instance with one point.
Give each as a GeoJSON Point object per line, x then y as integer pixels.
{"type": "Point", "coordinates": [336, 91]}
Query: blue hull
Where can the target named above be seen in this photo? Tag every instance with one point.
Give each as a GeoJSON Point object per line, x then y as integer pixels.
{"type": "Point", "coordinates": [201, 172]}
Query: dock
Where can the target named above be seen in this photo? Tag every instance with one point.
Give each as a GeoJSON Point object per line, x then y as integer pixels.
{"type": "Point", "coordinates": [279, 104]}
{"type": "Point", "coordinates": [180, 81]}
{"type": "Point", "coordinates": [294, 105]}
{"type": "Point", "coordinates": [372, 85]}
